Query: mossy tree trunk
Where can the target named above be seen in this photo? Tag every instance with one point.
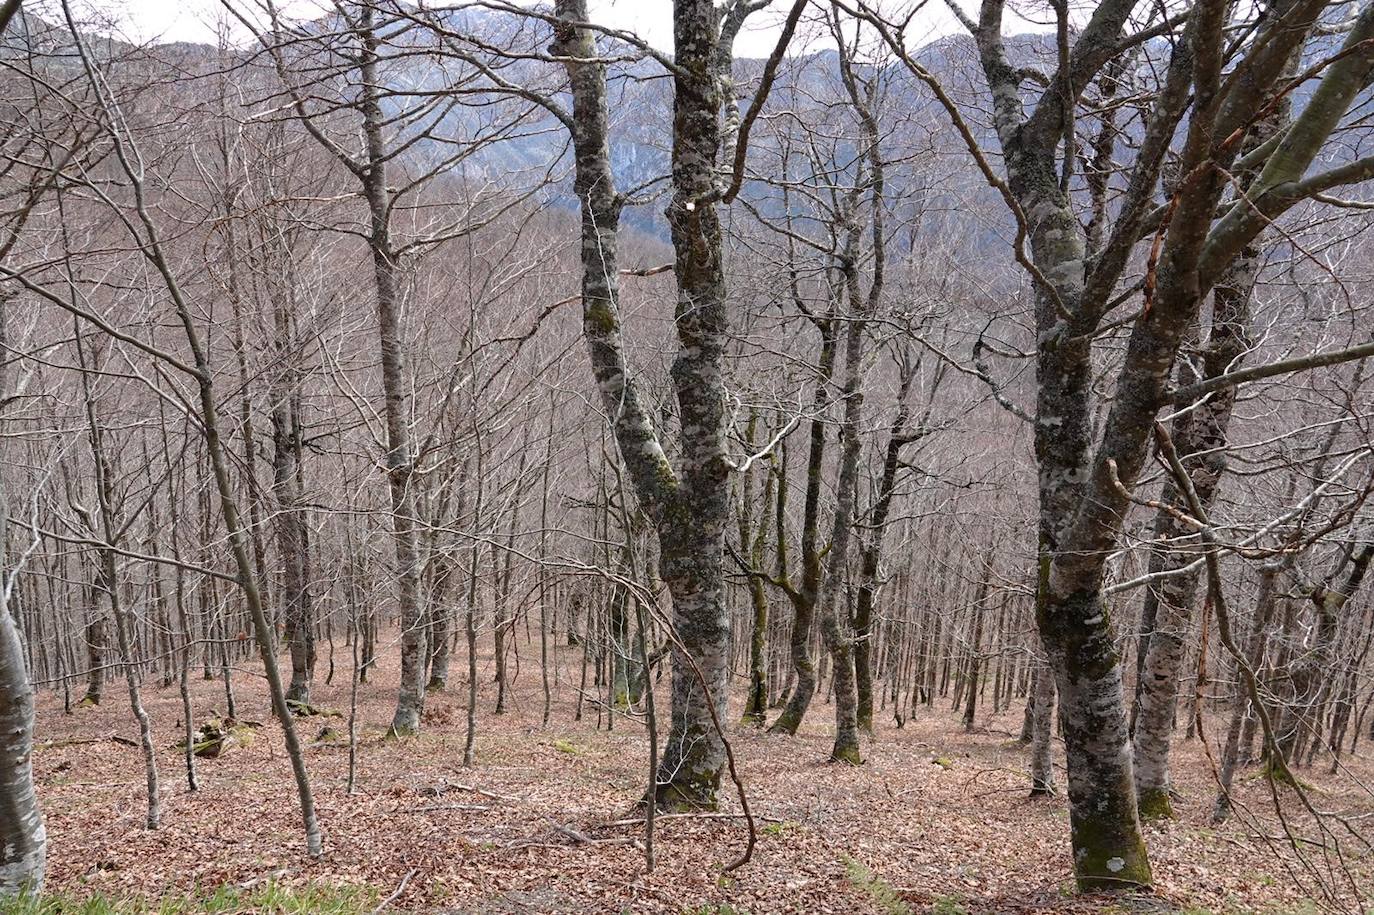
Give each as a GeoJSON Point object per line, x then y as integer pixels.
{"type": "Point", "coordinates": [1087, 468]}
{"type": "Point", "coordinates": [689, 505]}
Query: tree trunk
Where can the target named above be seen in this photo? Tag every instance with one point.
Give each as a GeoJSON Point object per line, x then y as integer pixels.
{"type": "Point", "coordinates": [803, 598]}
{"type": "Point", "coordinates": [23, 853]}
{"type": "Point", "coordinates": [839, 640]}
{"type": "Point", "coordinates": [690, 508]}
{"type": "Point", "coordinates": [871, 549]}
{"type": "Point", "coordinates": [290, 520]}
{"type": "Point", "coordinates": [1200, 437]}
{"type": "Point", "coordinates": [410, 700]}
{"type": "Point", "coordinates": [753, 541]}
{"type": "Point", "coordinates": [1042, 735]}
{"type": "Point", "coordinates": [95, 639]}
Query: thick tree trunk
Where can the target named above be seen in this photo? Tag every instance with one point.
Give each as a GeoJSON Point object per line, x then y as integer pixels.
{"type": "Point", "coordinates": [692, 534]}
{"type": "Point", "coordinates": [1109, 849]}
{"type": "Point", "coordinates": [1200, 437]}
{"type": "Point", "coordinates": [23, 853]}
{"type": "Point", "coordinates": [690, 509]}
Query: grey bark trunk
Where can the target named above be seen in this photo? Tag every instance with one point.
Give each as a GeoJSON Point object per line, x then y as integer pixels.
{"type": "Point", "coordinates": [410, 700]}
{"type": "Point", "coordinates": [690, 509]}
{"type": "Point", "coordinates": [1200, 437]}
{"type": "Point", "coordinates": [871, 549]}
{"type": "Point", "coordinates": [839, 639]}
{"type": "Point", "coordinates": [290, 523]}
{"type": "Point", "coordinates": [23, 851]}
{"type": "Point", "coordinates": [804, 597]}
{"type": "Point", "coordinates": [23, 854]}
{"type": "Point", "coordinates": [1042, 735]}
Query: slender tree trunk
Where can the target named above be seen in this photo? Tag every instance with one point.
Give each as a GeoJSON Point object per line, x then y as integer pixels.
{"type": "Point", "coordinates": [839, 640]}
{"type": "Point", "coordinates": [23, 851]}
{"type": "Point", "coordinates": [754, 541]}
{"type": "Point", "coordinates": [290, 521]}
{"type": "Point", "coordinates": [470, 631]}
{"type": "Point", "coordinates": [410, 701]}
{"type": "Point", "coordinates": [804, 597]}
{"type": "Point", "coordinates": [1042, 735]}
{"type": "Point", "coordinates": [1200, 437]}
{"type": "Point", "coordinates": [871, 553]}
{"type": "Point", "coordinates": [109, 530]}
{"type": "Point", "coordinates": [975, 663]}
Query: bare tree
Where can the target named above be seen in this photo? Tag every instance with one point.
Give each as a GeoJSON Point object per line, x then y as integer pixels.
{"type": "Point", "coordinates": [1202, 226]}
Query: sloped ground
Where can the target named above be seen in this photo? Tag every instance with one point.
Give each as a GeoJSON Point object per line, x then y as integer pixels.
{"type": "Point", "coordinates": [533, 826]}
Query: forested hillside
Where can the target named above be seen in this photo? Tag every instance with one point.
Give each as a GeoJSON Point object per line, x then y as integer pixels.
{"type": "Point", "coordinates": [466, 458]}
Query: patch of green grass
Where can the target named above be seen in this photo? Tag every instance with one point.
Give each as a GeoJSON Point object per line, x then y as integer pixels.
{"type": "Point", "coordinates": [779, 829]}
{"type": "Point", "coordinates": [948, 905]}
{"type": "Point", "coordinates": [883, 894]}
{"type": "Point", "coordinates": [1305, 907]}
{"type": "Point", "coordinates": [268, 899]}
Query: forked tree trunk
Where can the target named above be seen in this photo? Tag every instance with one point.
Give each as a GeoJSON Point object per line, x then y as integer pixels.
{"type": "Point", "coordinates": [690, 506]}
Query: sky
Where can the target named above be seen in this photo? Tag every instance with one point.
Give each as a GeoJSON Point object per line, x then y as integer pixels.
{"type": "Point", "coordinates": [195, 20]}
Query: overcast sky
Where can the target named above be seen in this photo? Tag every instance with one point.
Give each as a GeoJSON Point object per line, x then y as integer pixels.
{"type": "Point", "coordinates": [195, 20]}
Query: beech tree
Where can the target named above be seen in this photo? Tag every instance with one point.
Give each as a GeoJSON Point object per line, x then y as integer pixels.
{"type": "Point", "coordinates": [689, 504]}
{"type": "Point", "coordinates": [23, 854]}
{"type": "Point", "coordinates": [535, 372]}
{"type": "Point", "coordinates": [1203, 223]}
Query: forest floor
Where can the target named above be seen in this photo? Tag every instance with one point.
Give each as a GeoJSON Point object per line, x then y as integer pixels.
{"type": "Point", "coordinates": [936, 820]}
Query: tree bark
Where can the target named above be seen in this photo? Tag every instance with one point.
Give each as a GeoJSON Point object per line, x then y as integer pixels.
{"type": "Point", "coordinates": [1042, 735]}
{"type": "Point", "coordinates": [1200, 437]}
{"type": "Point", "coordinates": [690, 507]}
{"type": "Point", "coordinates": [290, 520]}
{"type": "Point", "coordinates": [23, 852]}
{"type": "Point", "coordinates": [839, 640]}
